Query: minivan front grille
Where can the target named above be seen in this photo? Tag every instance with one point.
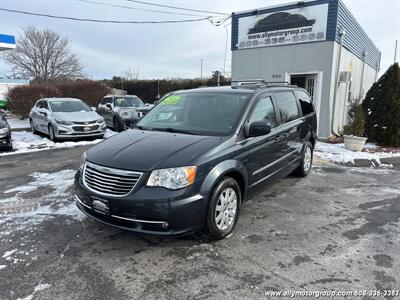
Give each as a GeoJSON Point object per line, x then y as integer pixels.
{"type": "Point", "coordinates": [109, 181]}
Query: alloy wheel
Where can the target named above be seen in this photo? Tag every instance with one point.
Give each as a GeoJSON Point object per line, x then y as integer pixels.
{"type": "Point", "coordinates": [307, 159]}
{"type": "Point", "coordinates": [225, 211]}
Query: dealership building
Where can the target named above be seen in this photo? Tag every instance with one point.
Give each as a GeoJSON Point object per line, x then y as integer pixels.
{"type": "Point", "coordinates": [7, 42]}
{"type": "Point", "coordinates": [317, 45]}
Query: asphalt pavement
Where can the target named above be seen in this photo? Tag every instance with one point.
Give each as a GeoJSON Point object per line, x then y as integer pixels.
{"type": "Point", "coordinates": [338, 229]}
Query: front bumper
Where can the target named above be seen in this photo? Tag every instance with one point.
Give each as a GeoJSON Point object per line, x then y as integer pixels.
{"type": "Point", "coordinates": [5, 141]}
{"type": "Point", "coordinates": [146, 210]}
{"type": "Point", "coordinates": [80, 131]}
{"type": "Point", "coordinates": [129, 122]}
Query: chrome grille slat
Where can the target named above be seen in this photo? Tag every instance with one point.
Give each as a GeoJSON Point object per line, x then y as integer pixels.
{"type": "Point", "coordinates": [116, 187]}
{"type": "Point", "coordinates": [101, 181]}
{"type": "Point", "coordinates": [109, 181]}
{"type": "Point", "coordinates": [113, 175]}
{"type": "Point", "coordinates": [110, 178]}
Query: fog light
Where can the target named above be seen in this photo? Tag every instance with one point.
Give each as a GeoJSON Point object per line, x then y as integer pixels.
{"type": "Point", "coordinates": [164, 225]}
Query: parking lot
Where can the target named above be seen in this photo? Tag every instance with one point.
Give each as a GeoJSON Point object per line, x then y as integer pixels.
{"type": "Point", "coordinates": [336, 229]}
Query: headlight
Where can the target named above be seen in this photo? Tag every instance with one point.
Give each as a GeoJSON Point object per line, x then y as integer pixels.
{"type": "Point", "coordinates": [4, 130]}
{"type": "Point", "coordinates": [83, 161]}
{"type": "Point", "coordinates": [174, 178]}
{"type": "Point", "coordinates": [62, 122]}
{"type": "Point", "coordinates": [100, 121]}
{"type": "Point", "coordinates": [124, 113]}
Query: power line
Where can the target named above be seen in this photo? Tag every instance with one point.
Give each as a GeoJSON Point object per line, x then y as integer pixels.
{"type": "Point", "coordinates": [180, 8]}
{"type": "Point", "coordinates": [136, 8]}
{"type": "Point", "coordinates": [105, 21]}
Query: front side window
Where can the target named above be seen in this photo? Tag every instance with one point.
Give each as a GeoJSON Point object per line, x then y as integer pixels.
{"type": "Point", "coordinates": [128, 102]}
{"type": "Point", "coordinates": [264, 111]}
{"type": "Point", "coordinates": [44, 105]}
{"type": "Point", "coordinates": [305, 102]}
{"type": "Point", "coordinates": [287, 106]}
{"type": "Point", "coordinates": [69, 106]}
{"type": "Point", "coordinates": [207, 113]}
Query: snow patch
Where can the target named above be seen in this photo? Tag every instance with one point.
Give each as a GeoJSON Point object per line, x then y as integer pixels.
{"type": "Point", "coordinates": [16, 123]}
{"type": "Point", "coordinates": [2, 267]}
{"type": "Point", "coordinates": [26, 142]}
{"type": "Point", "coordinates": [25, 211]}
{"type": "Point", "coordinates": [40, 287]}
{"type": "Point", "coordinates": [338, 154]}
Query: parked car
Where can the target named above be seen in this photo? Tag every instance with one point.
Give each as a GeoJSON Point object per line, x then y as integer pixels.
{"type": "Point", "coordinates": [191, 170]}
{"type": "Point", "coordinates": [66, 118]}
{"type": "Point", "coordinates": [122, 112]}
{"type": "Point", "coordinates": [5, 133]}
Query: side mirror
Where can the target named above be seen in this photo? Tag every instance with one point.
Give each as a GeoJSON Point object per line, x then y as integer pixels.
{"type": "Point", "coordinates": [108, 105]}
{"type": "Point", "coordinates": [258, 128]}
{"type": "Point", "coordinates": [94, 108]}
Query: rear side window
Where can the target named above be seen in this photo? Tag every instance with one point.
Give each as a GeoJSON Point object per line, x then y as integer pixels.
{"type": "Point", "coordinates": [287, 106]}
{"type": "Point", "coordinates": [264, 111]}
{"type": "Point", "coordinates": [305, 102]}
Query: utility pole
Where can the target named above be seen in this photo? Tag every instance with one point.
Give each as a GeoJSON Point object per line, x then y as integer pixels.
{"type": "Point", "coordinates": [395, 52]}
{"type": "Point", "coordinates": [201, 68]}
{"type": "Point", "coordinates": [158, 89]}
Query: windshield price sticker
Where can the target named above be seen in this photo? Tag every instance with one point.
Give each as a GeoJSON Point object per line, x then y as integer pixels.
{"type": "Point", "coordinates": [171, 100]}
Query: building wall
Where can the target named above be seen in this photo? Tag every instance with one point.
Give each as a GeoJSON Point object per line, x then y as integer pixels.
{"type": "Point", "coordinates": [267, 63]}
{"type": "Point", "coordinates": [7, 84]}
{"type": "Point", "coordinates": [349, 92]}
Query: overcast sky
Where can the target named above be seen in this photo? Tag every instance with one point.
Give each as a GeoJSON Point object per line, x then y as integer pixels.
{"type": "Point", "coordinates": [169, 50]}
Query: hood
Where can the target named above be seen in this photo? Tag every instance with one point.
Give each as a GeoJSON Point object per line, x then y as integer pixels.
{"type": "Point", "coordinates": [138, 150]}
{"type": "Point", "coordinates": [133, 109]}
{"type": "Point", "coordinates": [80, 116]}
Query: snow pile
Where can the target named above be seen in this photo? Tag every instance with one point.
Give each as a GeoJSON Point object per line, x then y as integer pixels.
{"type": "Point", "coordinates": [338, 154]}
{"type": "Point", "coordinates": [25, 141]}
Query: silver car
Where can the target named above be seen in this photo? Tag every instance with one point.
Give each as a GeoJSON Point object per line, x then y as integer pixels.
{"type": "Point", "coordinates": [66, 118]}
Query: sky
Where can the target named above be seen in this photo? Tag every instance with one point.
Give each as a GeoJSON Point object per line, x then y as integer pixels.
{"type": "Point", "coordinates": [170, 50]}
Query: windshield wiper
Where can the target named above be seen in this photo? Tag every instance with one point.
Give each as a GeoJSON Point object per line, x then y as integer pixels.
{"type": "Point", "coordinates": [141, 127]}
{"type": "Point", "coordinates": [170, 129]}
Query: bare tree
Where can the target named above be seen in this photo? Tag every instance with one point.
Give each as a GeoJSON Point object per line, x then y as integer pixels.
{"type": "Point", "coordinates": [131, 74]}
{"type": "Point", "coordinates": [43, 55]}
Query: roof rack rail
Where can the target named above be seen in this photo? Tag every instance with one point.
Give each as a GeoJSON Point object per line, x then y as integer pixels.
{"type": "Point", "coordinates": [258, 83]}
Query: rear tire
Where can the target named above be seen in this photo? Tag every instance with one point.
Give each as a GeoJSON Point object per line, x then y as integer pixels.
{"type": "Point", "coordinates": [118, 125]}
{"type": "Point", "coordinates": [223, 209]}
{"type": "Point", "coordinates": [306, 161]}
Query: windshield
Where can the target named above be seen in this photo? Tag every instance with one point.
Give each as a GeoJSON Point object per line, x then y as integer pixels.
{"type": "Point", "coordinates": [69, 106]}
{"type": "Point", "coordinates": [128, 102]}
{"type": "Point", "coordinates": [197, 113]}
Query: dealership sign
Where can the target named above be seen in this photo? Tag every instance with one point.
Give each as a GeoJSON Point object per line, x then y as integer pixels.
{"type": "Point", "coordinates": [300, 25]}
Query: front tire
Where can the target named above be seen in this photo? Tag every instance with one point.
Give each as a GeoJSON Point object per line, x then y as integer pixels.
{"type": "Point", "coordinates": [33, 129]}
{"type": "Point", "coordinates": [118, 125]}
{"type": "Point", "coordinates": [52, 135]}
{"type": "Point", "coordinates": [223, 210]}
{"type": "Point", "coordinates": [306, 161]}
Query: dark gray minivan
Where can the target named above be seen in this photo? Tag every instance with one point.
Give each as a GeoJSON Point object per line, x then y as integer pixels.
{"type": "Point", "coordinates": [193, 160]}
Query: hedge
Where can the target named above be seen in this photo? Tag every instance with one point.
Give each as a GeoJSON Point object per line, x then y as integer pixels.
{"type": "Point", "coordinates": [24, 97]}
{"type": "Point", "coordinates": [147, 89]}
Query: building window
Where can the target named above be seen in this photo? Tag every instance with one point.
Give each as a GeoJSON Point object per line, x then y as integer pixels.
{"type": "Point", "coordinates": [310, 87]}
